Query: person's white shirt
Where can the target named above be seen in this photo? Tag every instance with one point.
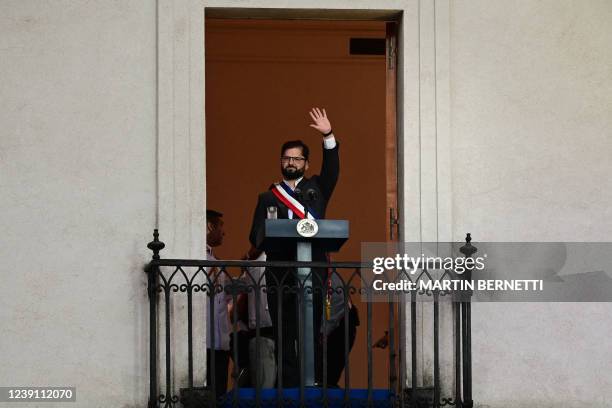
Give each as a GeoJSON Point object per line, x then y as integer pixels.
{"type": "Point", "coordinates": [253, 278]}
{"type": "Point", "coordinates": [222, 325]}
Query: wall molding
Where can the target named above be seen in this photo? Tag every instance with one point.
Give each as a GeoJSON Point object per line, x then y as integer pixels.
{"type": "Point", "coordinates": [423, 120]}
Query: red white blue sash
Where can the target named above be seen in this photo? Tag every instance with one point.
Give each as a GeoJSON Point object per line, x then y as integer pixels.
{"type": "Point", "coordinates": [287, 196]}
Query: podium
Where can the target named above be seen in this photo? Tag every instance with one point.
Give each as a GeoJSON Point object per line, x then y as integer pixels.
{"type": "Point", "coordinates": [281, 235]}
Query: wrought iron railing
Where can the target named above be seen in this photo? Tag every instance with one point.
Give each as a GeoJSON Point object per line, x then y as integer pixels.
{"type": "Point", "coordinates": [170, 278]}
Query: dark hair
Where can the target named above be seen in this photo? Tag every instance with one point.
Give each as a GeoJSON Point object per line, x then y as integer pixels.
{"type": "Point", "coordinates": [296, 143]}
{"type": "Point", "coordinates": [213, 216]}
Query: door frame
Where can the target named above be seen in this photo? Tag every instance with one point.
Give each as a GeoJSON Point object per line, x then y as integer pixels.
{"type": "Point", "coordinates": [423, 114]}
{"type": "Point", "coordinates": [181, 180]}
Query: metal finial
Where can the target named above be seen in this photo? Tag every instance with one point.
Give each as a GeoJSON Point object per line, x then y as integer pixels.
{"type": "Point", "coordinates": [156, 245]}
{"type": "Point", "coordinates": [468, 249]}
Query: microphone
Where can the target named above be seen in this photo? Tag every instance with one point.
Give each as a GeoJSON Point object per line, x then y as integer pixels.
{"type": "Point", "coordinates": [312, 195]}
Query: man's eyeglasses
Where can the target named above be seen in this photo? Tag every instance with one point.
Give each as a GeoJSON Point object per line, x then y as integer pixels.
{"type": "Point", "coordinates": [288, 159]}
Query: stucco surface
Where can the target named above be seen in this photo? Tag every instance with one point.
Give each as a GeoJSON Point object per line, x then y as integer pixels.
{"type": "Point", "coordinates": [531, 90]}
{"type": "Point", "coordinates": [77, 201]}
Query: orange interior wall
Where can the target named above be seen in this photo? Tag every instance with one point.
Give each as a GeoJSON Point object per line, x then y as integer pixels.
{"type": "Point", "coordinates": [262, 78]}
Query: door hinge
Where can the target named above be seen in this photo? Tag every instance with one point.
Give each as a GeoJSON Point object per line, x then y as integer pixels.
{"type": "Point", "coordinates": [393, 222]}
{"type": "Point", "coordinates": [391, 53]}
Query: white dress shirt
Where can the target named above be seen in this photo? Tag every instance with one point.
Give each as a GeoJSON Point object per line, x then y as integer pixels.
{"type": "Point", "coordinates": [257, 277]}
{"type": "Point", "coordinates": [222, 326]}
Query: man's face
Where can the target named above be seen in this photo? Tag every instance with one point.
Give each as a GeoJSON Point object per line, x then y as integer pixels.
{"type": "Point", "coordinates": [293, 163]}
{"type": "Point", "coordinates": [215, 232]}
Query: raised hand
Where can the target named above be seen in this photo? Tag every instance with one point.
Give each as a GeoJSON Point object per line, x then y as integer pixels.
{"type": "Point", "coordinates": [321, 123]}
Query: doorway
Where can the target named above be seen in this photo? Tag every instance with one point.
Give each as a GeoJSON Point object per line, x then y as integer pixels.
{"type": "Point", "coordinates": [262, 78]}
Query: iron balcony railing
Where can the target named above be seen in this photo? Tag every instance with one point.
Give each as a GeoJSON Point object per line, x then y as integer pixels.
{"type": "Point", "coordinates": [169, 279]}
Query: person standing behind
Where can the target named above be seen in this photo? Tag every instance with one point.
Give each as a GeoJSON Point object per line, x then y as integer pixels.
{"type": "Point", "coordinates": [222, 326]}
{"type": "Point", "coordinates": [257, 366]}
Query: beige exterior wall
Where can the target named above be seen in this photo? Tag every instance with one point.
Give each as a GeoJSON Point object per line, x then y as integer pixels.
{"type": "Point", "coordinates": [531, 135]}
{"type": "Point", "coordinates": [77, 196]}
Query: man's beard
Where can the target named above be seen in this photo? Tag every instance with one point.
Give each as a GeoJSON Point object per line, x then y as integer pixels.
{"type": "Point", "coordinates": [292, 175]}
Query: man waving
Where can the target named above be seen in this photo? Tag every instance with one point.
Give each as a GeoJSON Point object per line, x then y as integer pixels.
{"type": "Point", "coordinates": [296, 196]}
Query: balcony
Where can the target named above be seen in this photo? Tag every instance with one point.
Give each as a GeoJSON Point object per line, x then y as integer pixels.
{"type": "Point", "coordinates": [196, 282]}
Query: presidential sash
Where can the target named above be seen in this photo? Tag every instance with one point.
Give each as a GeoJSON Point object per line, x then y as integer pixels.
{"type": "Point", "coordinates": [287, 196]}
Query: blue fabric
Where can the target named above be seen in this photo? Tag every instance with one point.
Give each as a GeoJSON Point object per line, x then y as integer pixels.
{"type": "Point", "coordinates": [312, 397]}
{"type": "Point", "coordinates": [289, 191]}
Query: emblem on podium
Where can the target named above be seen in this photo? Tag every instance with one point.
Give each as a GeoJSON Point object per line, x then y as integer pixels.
{"type": "Point", "coordinates": [307, 228]}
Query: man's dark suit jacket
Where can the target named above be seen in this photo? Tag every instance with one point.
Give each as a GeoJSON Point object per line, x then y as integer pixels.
{"type": "Point", "coordinates": [323, 184]}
